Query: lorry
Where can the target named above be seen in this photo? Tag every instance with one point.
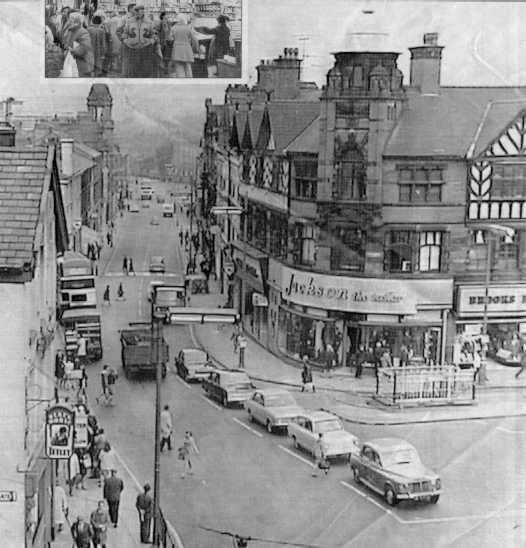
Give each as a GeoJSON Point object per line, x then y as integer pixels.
{"type": "Point", "coordinates": [168, 299]}
{"type": "Point", "coordinates": [138, 352]}
{"type": "Point", "coordinates": [85, 322]}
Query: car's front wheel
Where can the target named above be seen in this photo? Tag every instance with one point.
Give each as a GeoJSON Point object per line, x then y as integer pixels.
{"type": "Point", "coordinates": [434, 499]}
{"type": "Point", "coordinates": [270, 428]}
{"type": "Point", "coordinates": [356, 475]}
{"type": "Point", "coordinates": [390, 496]}
{"type": "Point", "coordinates": [224, 400]}
{"type": "Point", "coordinates": [295, 442]}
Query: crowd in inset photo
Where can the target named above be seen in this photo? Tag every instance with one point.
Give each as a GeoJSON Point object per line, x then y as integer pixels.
{"type": "Point", "coordinates": [131, 42]}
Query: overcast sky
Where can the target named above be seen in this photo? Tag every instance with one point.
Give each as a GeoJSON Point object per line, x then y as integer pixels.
{"type": "Point", "coordinates": [483, 46]}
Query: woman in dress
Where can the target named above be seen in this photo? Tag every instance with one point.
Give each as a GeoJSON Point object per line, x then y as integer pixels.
{"type": "Point", "coordinates": [77, 41]}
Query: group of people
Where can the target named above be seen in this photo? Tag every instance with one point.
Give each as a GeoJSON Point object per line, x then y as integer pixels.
{"type": "Point", "coordinates": [126, 43]}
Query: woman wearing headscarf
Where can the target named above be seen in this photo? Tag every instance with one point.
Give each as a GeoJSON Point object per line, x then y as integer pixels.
{"type": "Point", "coordinates": [184, 45]}
{"type": "Point", "coordinates": [99, 43]}
{"type": "Point", "coordinates": [78, 42]}
{"type": "Point", "coordinates": [220, 45]}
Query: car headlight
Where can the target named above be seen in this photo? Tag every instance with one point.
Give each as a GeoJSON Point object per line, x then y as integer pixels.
{"type": "Point", "coordinates": [438, 483]}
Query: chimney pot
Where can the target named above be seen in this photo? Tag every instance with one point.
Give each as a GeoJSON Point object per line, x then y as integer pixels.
{"type": "Point", "coordinates": [431, 38]}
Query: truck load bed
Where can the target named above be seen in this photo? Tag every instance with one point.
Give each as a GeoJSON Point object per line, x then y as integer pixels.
{"type": "Point", "coordinates": [137, 355]}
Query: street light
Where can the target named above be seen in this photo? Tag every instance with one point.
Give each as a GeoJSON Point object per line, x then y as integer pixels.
{"type": "Point", "coordinates": [157, 319]}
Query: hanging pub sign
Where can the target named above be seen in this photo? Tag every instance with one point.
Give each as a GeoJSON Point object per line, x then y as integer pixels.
{"type": "Point", "coordinates": [60, 421]}
{"type": "Point", "coordinates": [81, 430]}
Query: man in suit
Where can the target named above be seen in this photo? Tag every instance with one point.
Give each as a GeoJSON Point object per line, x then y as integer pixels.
{"type": "Point", "coordinates": [144, 505]}
{"type": "Point", "coordinates": [113, 487]}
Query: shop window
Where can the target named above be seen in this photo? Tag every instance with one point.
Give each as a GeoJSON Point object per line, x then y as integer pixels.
{"type": "Point", "coordinates": [357, 75]}
{"type": "Point", "coordinates": [348, 250]}
{"type": "Point", "coordinates": [508, 248]}
{"type": "Point", "coordinates": [399, 251]}
{"type": "Point", "coordinates": [278, 235]}
{"type": "Point", "coordinates": [350, 180]}
{"type": "Point", "coordinates": [509, 181]}
{"type": "Point", "coordinates": [305, 178]}
{"type": "Point", "coordinates": [419, 184]}
{"type": "Point", "coordinates": [260, 228]}
{"type": "Point", "coordinates": [430, 251]}
{"type": "Point", "coordinates": [308, 249]}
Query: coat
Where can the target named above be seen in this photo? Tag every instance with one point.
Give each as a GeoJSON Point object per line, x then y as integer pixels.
{"type": "Point", "coordinates": [99, 43]}
{"type": "Point", "coordinates": [83, 51]}
{"type": "Point", "coordinates": [113, 487]}
{"type": "Point", "coordinates": [99, 521]}
{"type": "Point", "coordinates": [54, 61]}
{"type": "Point", "coordinates": [221, 46]}
{"type": "Point", "coordinates": [60, 505]}
{"type": "Point", "coordinates": [136, 34]}
{"type": "Point", "coordinates": [184, 44]}
{"type": "Point", "coordinates": [107, 460]}
{"type": "Point", "coordinates": [74, 466]}
{"type": "Point", "coordinates": [166, 424]}
{"type": "Point", "coordinates": [144, 503]}
{"type": "Point", "coordinates": [82, 534]}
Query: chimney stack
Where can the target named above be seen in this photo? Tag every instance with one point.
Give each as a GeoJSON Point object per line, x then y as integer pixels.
{"type": "Point", "coordinates": [425, 65]}
{"type": "Point", "coordinates": [66, 153]}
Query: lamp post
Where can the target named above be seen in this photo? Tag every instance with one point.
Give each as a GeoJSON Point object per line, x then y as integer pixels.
{"type": "Point", "coordinates": [157, 322]}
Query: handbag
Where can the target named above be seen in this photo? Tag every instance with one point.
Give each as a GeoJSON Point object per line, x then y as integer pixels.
{"type": "Point", "coordinates": [324, 464]}
{"type": "Point", "coordinates": [70, 69]}
{"type": "Point", "coordinates": [87, 461]}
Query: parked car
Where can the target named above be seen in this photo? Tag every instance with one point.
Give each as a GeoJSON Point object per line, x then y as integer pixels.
{"type": "Point", "coordinates": [307, 427]}
{"type": "Point", "coordinates": [157, 264]}
{"type": "Point", "coordinates": [154, 221]}
{"type": "Point", "coordinates": [273, 407]}
{"type": "Point", "coordinates": [229, 386]}
{"type": "Point", "coordinates": [193, 364]}
{"type": "Point", "coordinates": [392, 468]}
{"type": "Point", "coordinates": [134, 208]}
{"type": "Point", "coordinates": [151, 288]}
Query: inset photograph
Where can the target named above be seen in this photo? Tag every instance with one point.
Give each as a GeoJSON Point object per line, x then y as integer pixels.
{"type": "Point", "coordinates": [150, 39]}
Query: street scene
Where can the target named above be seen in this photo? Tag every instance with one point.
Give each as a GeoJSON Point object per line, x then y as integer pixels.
{"type": "Point", "coordinates": [286, 312]}
{"type": "Point", "coordinates": [155, 39]}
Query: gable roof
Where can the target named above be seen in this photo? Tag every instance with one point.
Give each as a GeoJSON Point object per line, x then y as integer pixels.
{"type": "Point", "coordinates": [456, 111]}
{"type": "Point", "coordinates": [238, 128]}
{"type": "Point", "coordinates": [23, 174]}
{"type": "Point", "coordinates": [250, 135]}
{"type": "Point", "coordinates": [308, 141]}
{"type": "Point", "coordinates": [287, 120]}
{"type": "Point", "coordinates": [99, 95]}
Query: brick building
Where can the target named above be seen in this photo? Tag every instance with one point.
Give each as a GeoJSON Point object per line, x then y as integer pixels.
{"type": "Point", "coordinates": [367, 204]}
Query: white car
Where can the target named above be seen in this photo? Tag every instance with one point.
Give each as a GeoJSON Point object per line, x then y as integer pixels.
{"type": "Point", "coordinates": [134, 208]}
{"type": "Point", "coordinates": [305, 431]}
{"type": "Point", "coordinates": [273, 407]}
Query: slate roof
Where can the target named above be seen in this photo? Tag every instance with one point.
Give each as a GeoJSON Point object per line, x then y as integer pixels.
{"type": "Point", "coordinates": [100, 95]}
{"type": "Point", "coordinates": [254, 118]}
{"type": "Point", "coordinates": [446, 124]}
{"type": "Point", "coordinates": [289, 119]}
{"type": "Point", "coordinates": [308, 141]}
{"type": "Point", "coordinates": [22, 176]}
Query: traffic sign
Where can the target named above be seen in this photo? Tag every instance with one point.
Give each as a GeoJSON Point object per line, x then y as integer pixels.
{"type": "Point", "coordinates": [7, 496]}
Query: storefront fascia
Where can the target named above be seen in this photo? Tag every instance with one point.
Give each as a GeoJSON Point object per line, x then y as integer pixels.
{"type": "Point", "coordinates": [346, 311]}
{"type": "Point", "coordinates": [506, 315]}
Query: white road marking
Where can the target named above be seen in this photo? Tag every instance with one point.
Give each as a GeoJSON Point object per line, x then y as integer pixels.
{"type": "Point", "coordinates": [371, 500]}
{"type": "Point", "coordinates": [171, 528]}
{"type": "Point", "coordinates": [183, 382]}
{"type": "Point", "coordinates": [211, 402]}
{"type": "Point", "coordinates": [509, 431]}
{"type": "Point", "coordinates": [241, 423]}
{"type": "Point", "coordinates": [299, 457]}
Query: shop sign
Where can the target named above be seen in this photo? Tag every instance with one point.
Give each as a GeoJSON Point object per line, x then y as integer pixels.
{"type": "Point", "coordinates": [59, 432]}
{"type": "Point", "coordinates": [251, 265]}
{"type": "Point", "coordinates": [7, 496]}
{"type": "Point", "coordinates": [363, 295]}
{"type": "Point", "coordinates": [502, 300]}
{"type": "Point", "coordinates": [259, 300]}
{"type": "Point", "coordinates": [229, 268]}
{"type": "Point", "coordinates": [81, 430]}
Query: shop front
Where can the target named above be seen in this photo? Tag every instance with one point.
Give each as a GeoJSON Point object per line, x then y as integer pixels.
{"type": "Point", "coordinates": [325, 314]}
{"type": "Point", "coordinates": [249, 292]}
{"type": "Point", "coordinates": [505, 316]}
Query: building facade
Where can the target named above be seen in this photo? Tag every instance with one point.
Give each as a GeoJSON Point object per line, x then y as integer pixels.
{"type": "Point", "coordinates": [370, 206]}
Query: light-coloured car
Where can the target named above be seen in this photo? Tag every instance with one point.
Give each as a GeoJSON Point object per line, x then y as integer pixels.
{"type": "Point", "coordinates": [134, 208]}
{"type": "Point", "coordinates": [151, 288]}
{"type": "Point", "coordinates": [273, 407]}
{"type": "Point", "coordinates": [392, 468]}
{"type": "Point", "coordinates": [229, 386]}
{"type": "Point", "coordinates": [193, 364]}
{"type": "Point", "coordinates": [307, 427]}
{"type": "Point", "coordinates": [157, 264]}
{"type": "Point", "coordinates": [154, 221]}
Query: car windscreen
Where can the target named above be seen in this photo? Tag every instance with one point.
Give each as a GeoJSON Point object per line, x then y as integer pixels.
{"type": "Point", "coordinates": [84, 283]}
{"type": "Point", "coordinates": [236, 381]}
{"type": "Point", "coordinates": [279, 400]}
{"type": "Point", "coordinates": [195, 356]}
{"type": "Point", "coordinates": [329, 425]}
{"type": "Point", "coordinates": [399, 456]}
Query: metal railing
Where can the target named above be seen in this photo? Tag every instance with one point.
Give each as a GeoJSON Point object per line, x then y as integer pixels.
{"type": "Point", "coordinates": [168, 537]}
{"type": "Point", "coordinates": [425, 384]}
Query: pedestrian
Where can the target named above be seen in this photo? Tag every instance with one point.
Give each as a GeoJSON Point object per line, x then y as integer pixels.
{"type": "Point", "coordinates": [99, 443]}
{"type": "Point", "coordinates": [181, 237]}
{"type": "Point", "coordinates": [113, 487]}
{"type": "Point", "coordinates": [107, 461]}
{"type": "Point", "coordinates": [130, 266]}
{"type": "Point", "coordinates": [99, 43]}
{"type": "Point", "coordinates": [522, 358]}
{"type": "Point", "coordinates": [186, 237]}
{"type": "Point", "coordinates": [306, 376]}
{"type": "Point", "coordinates": [166, 428]}
{"type": "Point", "coordinates": [185, 46]}
{"type": "Point", "coordinates": [60, 506]}
{"type": "Point", "coordinates": [235, 337]}
{"type": "Point", "coordinates": [221, 46]}
{"type": "Point", "coordinates": [100, 520]}
{"type": "Point", "coordinates": [144, 505]}
{"type": "Point", "coordinates": [74, 477]}
{"type": "Point", "coordinates": [82, 533]}
{"type": "Point", "coordinates": [361, 358]}
{"type": "Point", "coordinates": [185, 452]}
{"type": "Point", "coordinates": [106, 296]}
{"type": "Point", "coordinates": [78, 42]}
{"type": "Point", "coordinates": [321, 462]}
{"type": "Point", "coordinates": [59, 368]}
{"type": "Point", "coordinates": [98, 248]}
{"type": "Point", "coordinates": [125, 265]}
{"type": "Point", "coordinates": [120, 293]}
{"type": "Point", "coordinates": [83, 468]}
{"type": "Point", "coordinates": [81, 349]}
{"type": "Point", "coordinates": [83, 384]}
{"type": "Point", "coordinates": [108, 238]}
{"type": "Point", "coordinates": [53, 56]}
{"type": "Point", "coordinates": [385, 359]}
{"type": "Point", "coordinates": [476, 366]}
{"type": "Point", "coordinates": [138, 38]}
{"type": "Point", "coordinates": [242, 343]}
